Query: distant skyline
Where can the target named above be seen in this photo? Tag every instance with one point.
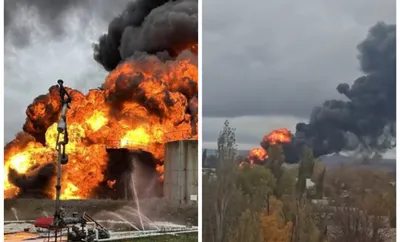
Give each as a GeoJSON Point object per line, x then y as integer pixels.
{"type": "Point", "coordinates": [266, 67]}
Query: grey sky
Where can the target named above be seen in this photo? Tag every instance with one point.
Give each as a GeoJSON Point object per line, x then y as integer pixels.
{"type": "Point", "coordinates": [30, 70]}
{"type": "Point", "coordinates": [277, 59]}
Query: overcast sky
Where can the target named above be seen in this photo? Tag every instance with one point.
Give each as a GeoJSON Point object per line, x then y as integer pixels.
{"type": "Point", "coordinates": [38, 53]}
{"type": "Point", "coordinates": [266, 64]}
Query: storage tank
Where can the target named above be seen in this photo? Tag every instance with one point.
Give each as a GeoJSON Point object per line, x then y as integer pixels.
{"type": "Point", "coordinates": [180, 171]}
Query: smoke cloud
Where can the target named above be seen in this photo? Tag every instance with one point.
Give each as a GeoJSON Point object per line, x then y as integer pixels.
{"type": "Point", "coordinates": [151, 27]}
{"type": "Point", "coordinates": [33, 182]}
{"type": "Point", "coordinates": [366, 120]}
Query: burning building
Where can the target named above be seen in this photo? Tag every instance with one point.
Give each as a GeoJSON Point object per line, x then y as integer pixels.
{"type": "Point", "coordinates": [365, 122]}
{"type": "Point", "coordinates": [149, 98]}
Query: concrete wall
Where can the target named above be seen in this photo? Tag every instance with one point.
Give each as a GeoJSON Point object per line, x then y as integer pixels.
{"type": "Point", "coordinates": [180, 171]}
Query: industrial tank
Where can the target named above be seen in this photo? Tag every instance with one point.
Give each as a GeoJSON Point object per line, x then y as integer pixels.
{"type": "Point", "coordinates": [180, 171]}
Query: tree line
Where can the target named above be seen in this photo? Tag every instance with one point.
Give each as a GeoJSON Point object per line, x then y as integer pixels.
{"type": "Point", "coordinates": [272, 203]}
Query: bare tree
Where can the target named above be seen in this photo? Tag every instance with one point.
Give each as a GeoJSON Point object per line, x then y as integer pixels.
{"type": "Point", "coordinates": [223, 202]}
{"type": "Point", "coordinates": [361, 204]}
{"type": "Point", "coordinates": [222, 197]}
{"type": "Point", "coordinates": [227, 147]}
{"type": "Point", "coordinates": [247, 229]}
{"type": "Point", "coordinates": [349, 224]}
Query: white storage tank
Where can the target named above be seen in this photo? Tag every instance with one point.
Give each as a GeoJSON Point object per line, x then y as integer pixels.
{"type": "Point", "coordinates": [180, 171]}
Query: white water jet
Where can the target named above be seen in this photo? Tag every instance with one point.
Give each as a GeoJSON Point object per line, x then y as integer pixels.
{"type": "Point", "coordinates": [14, 211]}
{"type": "Point", "coordinates": [134, 212]}
{"type": "Point", "coordinates": [45, 214]}
{"type": "Point", "coordinates": [123, 219]}
{"type": "Point", "coordinates": [137, 201]}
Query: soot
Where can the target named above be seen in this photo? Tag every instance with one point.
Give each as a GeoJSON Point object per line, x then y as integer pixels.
{"type": "Point", "coordinates": [33, 183]}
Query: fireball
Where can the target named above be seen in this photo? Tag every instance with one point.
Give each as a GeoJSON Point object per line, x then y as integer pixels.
{"type": "Point", "coordinates": [142, 105]}
{"type": "Point", "coordinates": [278, 136]}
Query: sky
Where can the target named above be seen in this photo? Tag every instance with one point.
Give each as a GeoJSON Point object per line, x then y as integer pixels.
{"type": "Point", "coordinates": [266, 64]}
{"type": "Point", "coordinates": [40, 49]}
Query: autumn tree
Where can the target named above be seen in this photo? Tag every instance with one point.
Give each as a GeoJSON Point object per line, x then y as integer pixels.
{"type": "Point", "coordinates": [273, 224]}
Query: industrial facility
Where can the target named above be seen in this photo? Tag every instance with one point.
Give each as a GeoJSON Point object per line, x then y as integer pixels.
{"type": "Point", "coordinates": [180, 187]}
{"type": "Point", "coordinates": [180, 171]}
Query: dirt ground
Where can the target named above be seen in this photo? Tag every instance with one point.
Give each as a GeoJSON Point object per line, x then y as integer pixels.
{"type": "Point", "coordinates": [156, 209]}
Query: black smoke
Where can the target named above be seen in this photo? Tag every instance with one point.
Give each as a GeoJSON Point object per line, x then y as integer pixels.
{"type": "Point", "coordinates": [121, 166]}
{"type": "Point", "coordinates": [366, 120]}
{"type": "Point", "coordinates": [34, 182]}
{"type": "Point", "coordinates": [150, 27]}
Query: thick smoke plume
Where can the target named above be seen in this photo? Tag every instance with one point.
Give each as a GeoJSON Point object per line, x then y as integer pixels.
{"type": "Point", "coordinates": [151, 27]}
{"type": "Point", "coordinates": [366, 120]}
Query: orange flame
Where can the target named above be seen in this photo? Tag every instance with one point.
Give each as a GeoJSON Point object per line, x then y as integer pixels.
{"type": "Point", "coordinates": [278, 136]}
{"type": "Point", "coordinates": [257, 154]}
{"type": "Point", "coordinates": [111, 184]}
{"type": "Point", "coordinates": [94, 124]}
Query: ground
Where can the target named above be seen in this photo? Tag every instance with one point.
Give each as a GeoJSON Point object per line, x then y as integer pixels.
{"type": "Point", "coordinates": [170, 238]}
{"type": "Point", "coordinates": [156, 209]}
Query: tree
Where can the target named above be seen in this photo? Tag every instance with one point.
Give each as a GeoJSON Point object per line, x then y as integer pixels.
{"type": "Point", "coordinates": [307, 162]}
{"type": "Point", "coordinates": [286, 183]}
{"type": "Point", "coordinates": [273, 224]}
{"type": "Point", "coordinates": [222, 203]}
{"type": "Point", "coordinates": [247, 229]}
{"type": "Point", "coordinates": [257, 183]}
{"type": "Point", "coordinates": [222, 198]}
{"type": "Point", "coordinates": [306, 167]}
{"type": "Point", "coordinates": [304, 227]}
{"type": "Point", "coordinates": [275, 161]}
{"type": "Point", "coordinates": [227, 147]}
{"type": "Point", "coordinates": [362, 201]}
{"type": "Point", "coordinates": [355, 225]}
{"type": "Point", "coordinates": [204, 158]}
{"type": "Point", "coordinates": [319, 189]}
{"type": "Point", "coordinates": [212, 161]}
